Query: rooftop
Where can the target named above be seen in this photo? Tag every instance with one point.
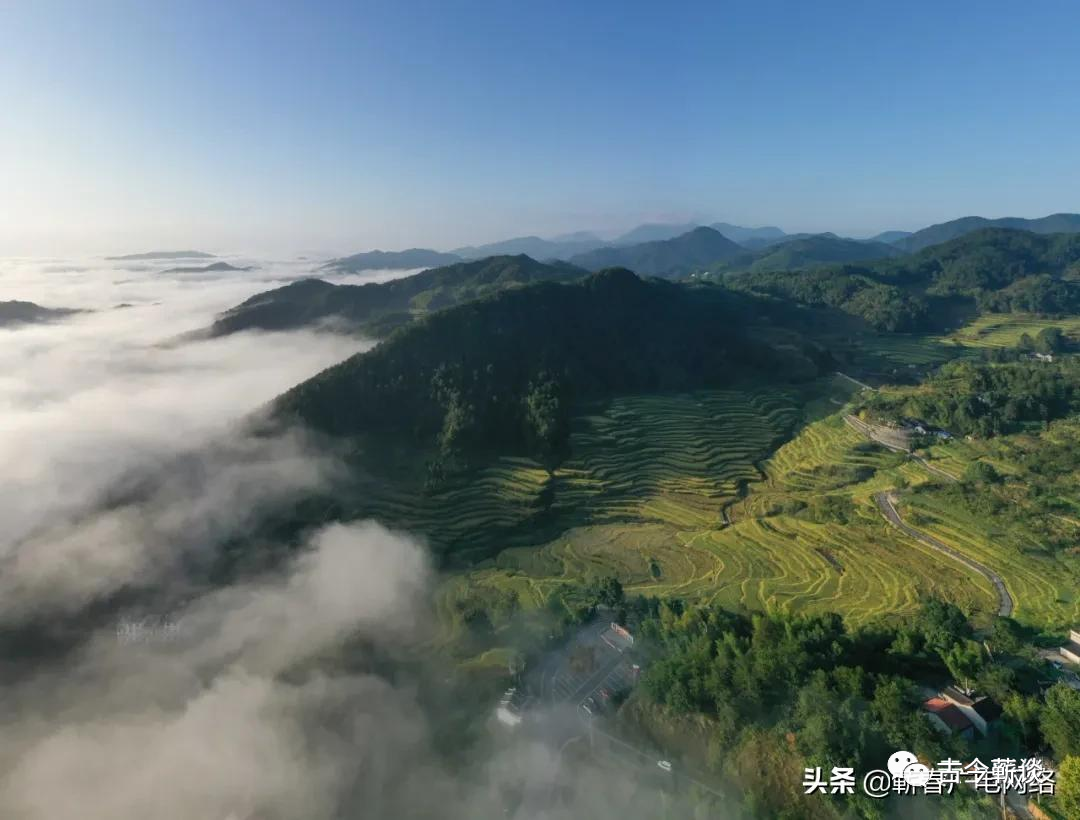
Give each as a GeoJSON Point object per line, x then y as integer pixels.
{"type": "Point", "coordinates": [948, 714]}
{"type": "Point", "coordinates": [951, 693]}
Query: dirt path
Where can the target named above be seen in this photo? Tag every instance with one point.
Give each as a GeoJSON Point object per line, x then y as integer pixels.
{"type": "Point", "coordinates": [896, 443]}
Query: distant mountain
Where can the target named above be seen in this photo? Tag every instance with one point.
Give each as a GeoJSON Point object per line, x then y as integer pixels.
{"type": "Point", "coordinates": [216, 267]}
{"type": "Point", "coordinates": [392, 260]}
{"type": "Point", "coordinates": [997, 270]}
{"type": "Point", "coordinates": [888, 237]}
{"type": "Point", "coordinates": [654, 232]}
{"type": "Point", "coordinates": [577, 236]}
{"type": "Point", "coordinates": [671, 258]}
{"type": "Point", "coordinates": [145, 257]}
{"type": "Point", "coordinates": [821, 249]}
{"type": "Point", "coordinates": [503, 372]}
{"type": "Point", "coordinates": [20, 313]}
{"type": "Point", "coordinates": [936, 234]}
{"type": "Point", "coordinates": [543, 249]}
{"type": "Point", "coordinates": [737, 233]}
{"type": "Point", "coordinates": [759, 243]}
{"type": "Point", "coordinates": [378, 308]}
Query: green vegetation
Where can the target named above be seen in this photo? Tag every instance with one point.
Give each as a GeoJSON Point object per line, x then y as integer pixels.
{"type": "Point", "coordinates": [392, 260]}
{"type": "Point", "coordinates": [466, 377]}
{"type": "Point", "coordinates": [936, 234]}
{"type": "Point", "coordinates": [969, 398]}
{"type": "Point", "coordinates": [996, 269]}
{"type": "Point", "coordinates": [881, 306]}
{"type": "Point", "coordinates": [822, 249]}
{"type": "Point", "coordinates": [782, 693]}
{"type": "Point", "coordinates": [1006, 331]}
{"type": "Point", "coordinates": [671, 258]}
{"type": "Point", "coordinates": [377, 308]}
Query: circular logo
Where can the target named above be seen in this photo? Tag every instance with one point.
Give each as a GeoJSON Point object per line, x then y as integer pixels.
{"type": "Point", "coordinates": [899, 761]}
{"type": "Point", "coordinates": [917, 774]}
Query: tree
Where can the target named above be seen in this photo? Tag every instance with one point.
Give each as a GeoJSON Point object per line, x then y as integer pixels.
{"type": "Point", "coordinates": [1006, 636]}
{"type": "Point", "coordinates": [1061, 720]}
{"type": "Point", "coordinates": [1026, 712]}
{"type": "Point", "coordinates": [1050, 340]}
{"type": "Point", "coordinates": [997, 681]}
{"type": "Point", "coordinates": [1067, 795]}
{"type": "Point", "coordinates": [980, 472]}
{"type": "Point", "coordinates": [547, 420]}
{"type": "Point", "coordinates": [609, 592]}
{"type": "Point", "coordinates": [942, 624]}
{"type": "Point", "coordinates": [964, 661]}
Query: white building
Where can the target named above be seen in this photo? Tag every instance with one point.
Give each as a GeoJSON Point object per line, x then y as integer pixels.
{"type": "Point", "coordinates": [1071, 650]}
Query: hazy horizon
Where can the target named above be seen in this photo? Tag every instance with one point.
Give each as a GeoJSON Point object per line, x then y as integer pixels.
{"type": "Point", "coordinates": [341, 128]}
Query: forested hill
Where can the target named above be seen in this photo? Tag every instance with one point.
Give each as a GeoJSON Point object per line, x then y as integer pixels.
{"type": "Point", "coordinates": [391, 260]}
{"type": "Point", "coordinates": [936, 234]}
{"type": "Point", "coordinates": [504, 371]}
{"type": "Point", "coordinates": [995, 269]}
{"type": "Point", "coordinates": [17, 313]}
{"type": "Point", "coordinates": [378, 308]}
{"type": "Point", "coordinates": [671, 258]}
{"type": "Point", "coordinates": [822, 249]}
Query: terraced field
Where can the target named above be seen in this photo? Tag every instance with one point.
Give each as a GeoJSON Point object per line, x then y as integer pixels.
{"type": "Point", "coordinates": [902, 350]}
{"type": "Point", "coordinates": [1046, 588]}
{"type": "Point", "coordinates": [675, 496]}
{"type": "Point", "coordinates": [754, 555]}
{"type": "Point", "coordinates": [671, 459]}
{"type": "Point", "coordinates": [1005, 330]}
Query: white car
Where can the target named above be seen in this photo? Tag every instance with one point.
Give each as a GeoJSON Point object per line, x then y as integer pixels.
{"type": "Point", "coordinates": [664, 764]}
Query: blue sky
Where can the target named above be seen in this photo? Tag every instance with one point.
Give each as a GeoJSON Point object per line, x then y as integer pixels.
{"type": "Point", "coordinates": [346, 126]}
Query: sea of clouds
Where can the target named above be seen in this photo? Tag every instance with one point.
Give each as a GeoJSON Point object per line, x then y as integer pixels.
{"type": "Point", "coordinates": [229, 715]}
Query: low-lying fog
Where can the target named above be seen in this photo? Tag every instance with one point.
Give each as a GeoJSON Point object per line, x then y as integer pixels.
{"type": "Point", "coordinates": [203, 715]}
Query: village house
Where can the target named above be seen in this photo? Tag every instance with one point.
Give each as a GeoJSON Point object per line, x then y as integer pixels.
{"type": "Point", "coordinates": [1071, 650]}
{"type": "Point", "coordinates": [983, 712]}
{"type": "Point", "coordinates": [947, 718]}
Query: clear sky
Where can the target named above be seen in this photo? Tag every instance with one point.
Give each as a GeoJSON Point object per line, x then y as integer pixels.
{"type": "Point", "coordinates": [248, 126]}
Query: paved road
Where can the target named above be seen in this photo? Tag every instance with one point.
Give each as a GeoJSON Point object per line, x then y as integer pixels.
{"type": "Point", "coordinates": [888, 509]}
{"type": "Point", "coordinates": [863, 385]}
{"type": "Point", "coordinates": [649, 760]}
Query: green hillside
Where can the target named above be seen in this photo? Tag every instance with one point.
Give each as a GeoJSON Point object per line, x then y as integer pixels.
{"type": "Point", "coordinates": [392, 260]}
{"type": "Point", "coordinates": [819, 250]}
{"type": "Point", "coordinates": [506, 370]}
{"type": "Point", "coordinates": [943, 232]}
{"type": "Point", "coordinates": [693, 251]}
{"type": "Point", "coordinates": [377, 308]}
{"type": "Point", "coordinates": [994, 270]}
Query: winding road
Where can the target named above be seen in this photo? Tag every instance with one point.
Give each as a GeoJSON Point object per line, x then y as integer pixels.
{"type": "Point", "coordinates": [888, 509]}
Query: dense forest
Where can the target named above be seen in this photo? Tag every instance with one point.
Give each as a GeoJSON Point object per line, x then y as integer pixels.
{"type": "Point", "coordinates": [670, 258]}
{"type": "Point", "coordinates": [377, 308]}
{"type": "Point", "coordinates": [996, 269]}
{"type": "Point", "coordinates": [783, 692]}
{"type": "Point", "coordinates": [849, 289]}
{"type": "Point", "coordinates": [504, 371]}
{"type": "Point", "coordinates": [986, 399]}
{"type": "Point", "coordinates": [392, 260]}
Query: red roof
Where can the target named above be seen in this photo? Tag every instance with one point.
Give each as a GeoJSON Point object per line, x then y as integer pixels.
{"type": "Point", "coordinates": [952, 717]}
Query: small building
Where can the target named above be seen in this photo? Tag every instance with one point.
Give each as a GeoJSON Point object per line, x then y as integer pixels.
{"type": "Point", "coordinates": [508, 716]}
{"type": "Point", "coordinates": [947, 718]}
{"type": "Point", "coordinates": [1071, 650]}
{"type": "Point", "coordinates": [982, 712]}
{"type": "Point", "coordinates": [1043, 357]}
{"type": "Point", "coordinates": [508, 712]}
